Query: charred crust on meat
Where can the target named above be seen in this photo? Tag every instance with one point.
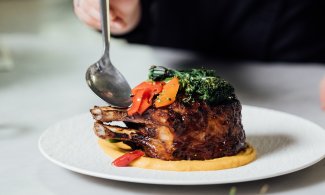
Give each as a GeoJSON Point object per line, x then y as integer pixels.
{"type": "Point", "coordinates": [196, 131]}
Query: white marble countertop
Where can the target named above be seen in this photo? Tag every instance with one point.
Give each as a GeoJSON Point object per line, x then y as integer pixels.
{"type": "Point", "coordinates": [46, 85]}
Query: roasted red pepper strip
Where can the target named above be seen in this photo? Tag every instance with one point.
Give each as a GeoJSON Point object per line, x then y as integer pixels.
{"type": "Point", "coordinates": [146, 101]}
{"type": "Point", "coordinates": [127, 158]}
{"type": "Point", "coordinates": [136, 102]}
{"type": "Point", "coordinates": [142, 85]}
{"type": "Point", "coordinates": [155, 87]}
{"type": "Point", "coordinates": [142, 96]}
{"type": "Point", "coordinates": [168, 94]}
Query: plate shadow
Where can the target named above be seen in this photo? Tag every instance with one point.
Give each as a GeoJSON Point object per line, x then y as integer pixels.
{"type": "Point", "coordinates": [267, 144]}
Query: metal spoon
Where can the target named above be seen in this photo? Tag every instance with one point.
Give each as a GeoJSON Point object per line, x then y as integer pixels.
{"type": "Point", "coordinates": [102, 77]}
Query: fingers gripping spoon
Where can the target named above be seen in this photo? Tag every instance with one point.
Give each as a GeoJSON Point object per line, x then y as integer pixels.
{"type": "Point", "coordinates": [102, 77]}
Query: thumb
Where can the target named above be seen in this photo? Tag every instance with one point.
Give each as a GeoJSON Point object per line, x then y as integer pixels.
{"type": "Point", "coordinates": [116, 23]}
{"type": "Point", "coordinates": [125, 15]}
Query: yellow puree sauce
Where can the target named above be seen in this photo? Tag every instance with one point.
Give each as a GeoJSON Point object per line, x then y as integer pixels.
{"type": "Point", "coordinates": [115, 150]}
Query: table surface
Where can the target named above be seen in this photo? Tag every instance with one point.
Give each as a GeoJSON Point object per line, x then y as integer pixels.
{"type": "Point", "coordinates": [46, 85]}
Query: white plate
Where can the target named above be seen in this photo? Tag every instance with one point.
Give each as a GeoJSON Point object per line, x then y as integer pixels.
{"type": "Point", "coordinates": [284, 143]}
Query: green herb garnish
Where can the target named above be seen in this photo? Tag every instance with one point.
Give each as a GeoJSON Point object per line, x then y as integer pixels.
{"type": "Point", "coordinates": [199, 84]}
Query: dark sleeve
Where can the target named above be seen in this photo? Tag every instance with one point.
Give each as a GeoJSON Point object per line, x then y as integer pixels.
{"type": "Point", "coordinates": [268, 30]}
{"type": "Point", "coordinates": [299, 32]}
{"type": "Point", "coordinates": [141, 33]}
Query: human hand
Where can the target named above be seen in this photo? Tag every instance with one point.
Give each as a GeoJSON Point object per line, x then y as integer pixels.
{"type": "Point", "coordinates": [124, 14]}
{"type": "Point", "coordinates": [322, 93]}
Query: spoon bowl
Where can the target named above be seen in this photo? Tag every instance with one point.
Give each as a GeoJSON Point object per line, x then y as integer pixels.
{"type": "Point", "coordinates": [102, 77]}
{"type": "Point", "coordinates": [109, 84]}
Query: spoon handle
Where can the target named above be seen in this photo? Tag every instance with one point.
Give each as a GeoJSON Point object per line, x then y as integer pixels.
{"type": "Point", "coordinates": [105, 26]}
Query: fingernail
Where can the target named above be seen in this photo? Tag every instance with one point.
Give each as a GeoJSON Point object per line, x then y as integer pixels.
{"type": "Point", "coordinates": [112, 16]}
{"type": "Point", "coordinates": [116, 25]}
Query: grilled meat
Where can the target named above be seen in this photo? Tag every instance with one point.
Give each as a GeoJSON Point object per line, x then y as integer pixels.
{"type": "Point", "coordinates": [179, 131]}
